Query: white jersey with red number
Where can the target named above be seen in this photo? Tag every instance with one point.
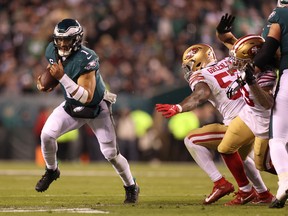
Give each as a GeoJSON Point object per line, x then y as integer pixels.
{"type": "Point", "coordinates": [218, 78]}
{"type": "Point", "coordinates": [255, 116]}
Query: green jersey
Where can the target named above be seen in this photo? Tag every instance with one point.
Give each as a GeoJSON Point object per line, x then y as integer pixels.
{"type": "Point", "coordinates": [280, 16]}
{"type": "Point", "coordinates": [80, 62]}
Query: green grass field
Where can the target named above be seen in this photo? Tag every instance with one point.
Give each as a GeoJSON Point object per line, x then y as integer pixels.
{"type": "Point", "coordinates": [95, 189]}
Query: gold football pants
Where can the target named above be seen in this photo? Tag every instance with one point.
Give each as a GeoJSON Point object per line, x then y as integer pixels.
{"type": "Point", "coordinates": [237, 136]}
{"type": "Point", "coordinates": [210, 136]}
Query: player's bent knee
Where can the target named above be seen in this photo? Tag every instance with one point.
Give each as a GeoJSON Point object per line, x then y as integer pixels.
{"type": "Point", "coordinates": [277, 141]}
{"type": "Point", "coordinates": [110, 153]}
{"type": "Point", "coordinates": [224, 150]}
{"type": "Point", "coordinates": [45, 138]}
{"type": "Point", "coordinates": [259, 167]}
{"type": "Point", "coordinates": [187, 141]}
{"type": "Point", "coordinates": [259, 162]}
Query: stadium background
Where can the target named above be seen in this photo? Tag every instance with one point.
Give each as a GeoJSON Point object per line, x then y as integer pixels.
{"type": "Point", "coordinates": [140, 45]}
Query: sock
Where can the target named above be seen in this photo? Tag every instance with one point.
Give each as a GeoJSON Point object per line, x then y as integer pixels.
{"type": "Point", "coordinates": [204, 158]}
{"type": "Point", "coordinates": [49, 149]}
{"type": "Point", "coordinates": [235, 165]}
{"type": "Point", "coordinates": [254, 175]}
{"type": "Point", "coordinates": [121, 166]}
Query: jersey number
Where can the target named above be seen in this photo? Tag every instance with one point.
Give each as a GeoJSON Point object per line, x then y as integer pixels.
{"type": "Point", "coordinates": [242, 92]}
{"type": "Point", "coordinates": [224, 84]}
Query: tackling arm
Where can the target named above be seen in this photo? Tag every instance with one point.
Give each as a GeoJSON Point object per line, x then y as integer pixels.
{"type": "Point", "coordinates": [263, 95]}
{"type": "Point", "coordinates": [200, 95]}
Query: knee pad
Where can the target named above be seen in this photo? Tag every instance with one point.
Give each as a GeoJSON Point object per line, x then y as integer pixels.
{"type": "Point", "coordinates": [191, 146]}
{"type": "Point", "coordinates": [109, 151]}
{"type": "Point", "coordinates": [222, 149]}
{"type": "Point", "coordinates": [45, 138]}
{"type": "Point", "coordinates": [187, 142]}
{"type": "Point", "coordinates": [277, 141]}
{"type": "Point", "coordinates": [48, 142]}
{"type": "Point", "coordinates": [260, 153]}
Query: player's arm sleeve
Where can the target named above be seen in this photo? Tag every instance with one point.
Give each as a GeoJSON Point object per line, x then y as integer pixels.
{"type": "Point", "coordinates": [266, 53]}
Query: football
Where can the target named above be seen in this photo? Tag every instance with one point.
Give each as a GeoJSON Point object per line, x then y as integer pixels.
{"type": "Point", "coordinates": [47, 80]}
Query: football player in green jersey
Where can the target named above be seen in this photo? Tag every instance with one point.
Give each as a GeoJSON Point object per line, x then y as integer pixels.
{"type": "Point", "coordinates": [277, 37]}
{"type": "Point", "coordinates": [76, 67]}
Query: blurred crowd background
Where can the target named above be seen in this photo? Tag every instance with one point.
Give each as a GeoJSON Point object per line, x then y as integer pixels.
{"type": "Point", "coordinates": [140, 45]}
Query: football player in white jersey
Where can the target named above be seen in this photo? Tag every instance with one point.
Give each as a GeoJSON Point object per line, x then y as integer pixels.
{"type": "Point", "coordinates": [253, 118]}
{"type": "Point", "coordinates": [256, 115]}
{"type": "Point", "coordinates": [209, 80]}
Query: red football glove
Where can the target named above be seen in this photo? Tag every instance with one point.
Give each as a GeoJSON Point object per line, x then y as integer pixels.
{"type": "Point", "coordinates": [168, 110]}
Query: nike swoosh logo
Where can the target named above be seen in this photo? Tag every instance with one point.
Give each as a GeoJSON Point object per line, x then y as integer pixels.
{"type": "Point", "coordinates": [207, 199]}
{"type": "Point", "coordinates": [78, 109]}
{"type": "Point", "coordinates": [89, 57]}
{"type": "Point", "coordinates": [247, 198]}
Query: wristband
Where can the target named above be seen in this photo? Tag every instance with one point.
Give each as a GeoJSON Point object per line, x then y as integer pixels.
{"type": "Point", "coordinates": [180, 109]}
{"type": "Point", "coordinates": [69, 85]}
{"type": "Point", "coordinates": [83, 98]}
{"type": "Point", "coordinates": [81, 95]}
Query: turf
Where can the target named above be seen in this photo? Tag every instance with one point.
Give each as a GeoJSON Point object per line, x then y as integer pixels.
{"type": "Point", "coordinates": [166, 189]}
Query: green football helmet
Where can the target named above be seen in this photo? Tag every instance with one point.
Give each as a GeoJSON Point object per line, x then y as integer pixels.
{"type": "Point", "coordinates": [282, 3]}
{"type": "Point", "coordinates": [68, 35]}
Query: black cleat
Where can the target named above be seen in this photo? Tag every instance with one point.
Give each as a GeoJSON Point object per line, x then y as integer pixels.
{"type": "Point", "coordinates": [49, 176]}
{"type": "Point", "coordinates": [277, 203]}
{"type": "Point", "coordinates": [132, 193]}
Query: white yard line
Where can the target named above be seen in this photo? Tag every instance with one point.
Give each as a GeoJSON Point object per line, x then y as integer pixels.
{"type": "Point", "coordinates": [64, 210]}
{"type": "Point", "coordinates": [95, 173]}
{"type": "Point", "coordinates": [67, 173]}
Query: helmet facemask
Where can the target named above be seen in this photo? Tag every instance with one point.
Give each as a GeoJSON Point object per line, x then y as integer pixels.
{"type": "Point", "coordinates": [187, 69]}
{"type": "Point", "coordinates": [237, 63]}
{"type": "Point", "coordinates": [67, 36]}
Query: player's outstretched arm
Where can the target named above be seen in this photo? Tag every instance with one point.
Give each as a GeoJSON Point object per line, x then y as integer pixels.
{"type": "Point", "coordinates": [199, 96]}
{"type": "Point", "coordinates": [223, 30]}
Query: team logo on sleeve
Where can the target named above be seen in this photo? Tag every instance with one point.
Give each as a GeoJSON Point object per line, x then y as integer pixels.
{"type": "Point", "coordinates": [91, 65]}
